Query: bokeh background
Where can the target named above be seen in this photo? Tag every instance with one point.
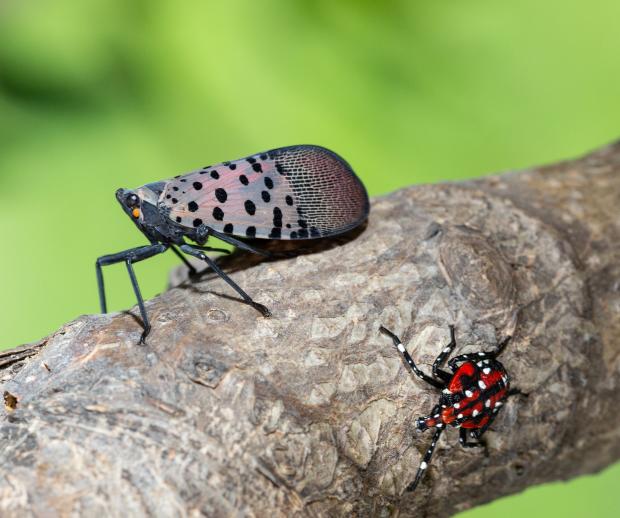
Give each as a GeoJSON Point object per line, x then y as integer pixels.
{"type": "Point", "coordinates": [99, 94]}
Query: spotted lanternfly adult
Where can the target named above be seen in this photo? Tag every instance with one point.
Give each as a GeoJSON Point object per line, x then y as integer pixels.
{"type": "Point", "coordinates": [470, 397]}
{"type": "Point", "coordinates": [290, 193]}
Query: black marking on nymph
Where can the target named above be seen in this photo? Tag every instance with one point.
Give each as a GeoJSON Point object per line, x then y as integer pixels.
{"type": "Point", "coordinates": [228, 228]}
{"type": "Point", "coordinates": [250, 231]}
{"type": "Point", "coordinates": [197, 222]}
{"type": "Point", "coordinates": [250, 208]}
{"type": "Point", "coordinates": [197, 185]}
{"type": "Point", "coordinates": [192, 206]}
{"type": "Point", "coordinates": [276, 233]}
{"type": "Point", "coordinates": [244, 179]}
{"type": "Point", "coordinates": [221, 195]}
{"type": "Point", "coordinates": [277, 217]}
{"type": "Point", "coordinates": [289, 200]}
{"type": "Point", "coordinates": [265, 196]}
{"type": "Point", "coordinates": [218, 214]}
{"type": "Point", "coordinates": [215, 175]}
{"type": "Point", "coordinates": [268, 182]}
{"type": "Point", "coordinates": [257, 167]}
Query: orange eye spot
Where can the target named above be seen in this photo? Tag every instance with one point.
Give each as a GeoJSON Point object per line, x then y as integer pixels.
{"type": "Point", "coordinates": [135, 213]}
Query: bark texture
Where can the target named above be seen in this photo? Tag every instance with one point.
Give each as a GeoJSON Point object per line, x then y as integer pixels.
{"type": "Point", "coordinates": [311, 412]}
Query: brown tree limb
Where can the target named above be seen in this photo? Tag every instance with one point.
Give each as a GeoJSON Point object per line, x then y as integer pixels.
{"type": "Point", "coordinates": [311, 412]}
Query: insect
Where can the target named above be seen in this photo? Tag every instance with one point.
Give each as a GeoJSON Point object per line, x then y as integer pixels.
{"type": "Point", "coordinates": [290, 193]}
{"type": "Point", "coordinates": [470, 397]}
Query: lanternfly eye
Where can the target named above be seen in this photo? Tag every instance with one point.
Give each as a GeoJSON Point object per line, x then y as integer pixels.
{"type": "Point", "coordinates": [132, 200]}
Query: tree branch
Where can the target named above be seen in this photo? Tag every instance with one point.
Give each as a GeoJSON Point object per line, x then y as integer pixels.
{"type": "Point", "coordinates": [311, 412]}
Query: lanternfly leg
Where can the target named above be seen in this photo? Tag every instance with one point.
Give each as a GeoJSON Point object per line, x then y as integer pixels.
{"type": "Point", "coordinates": [409, 360]}
{"type": "Point", "coordinates": [437, 372]}
{"type": "Point", "coordinates": [426, 460]}
{"type": "Point", "coordinates": [136, 254]}
{"type": "Point", "coordinates": [197, 253]}
{"type": "Point", "coordinates": [131, 256]}
{"type": "Point", "coordinates": [190, 267]}
{"type": "Point", "coordinates": [501, 346]}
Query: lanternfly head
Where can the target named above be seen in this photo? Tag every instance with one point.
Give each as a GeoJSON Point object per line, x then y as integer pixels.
{"type": "Point", "coordinates": [130, 202]}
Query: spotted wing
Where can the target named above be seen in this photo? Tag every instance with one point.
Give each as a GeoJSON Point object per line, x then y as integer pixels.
{"type": "Point", "coordinates": [297, 192]}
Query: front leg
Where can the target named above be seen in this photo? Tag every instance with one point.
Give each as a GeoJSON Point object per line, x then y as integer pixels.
{"type": "Point", "coordinates": [129, 257]}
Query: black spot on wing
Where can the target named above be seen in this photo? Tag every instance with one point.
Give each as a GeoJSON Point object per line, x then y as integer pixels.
{"type": "Point", "coordinates": [250, 207]}
{"type": "Point", "coordinates": [250, 231]}
{"type": "Point", "coordinates": [221, 195]}
{"type": "Point", "coordinates": [192, 206]}
{"type": "Point", "coordinates": [218, 213]}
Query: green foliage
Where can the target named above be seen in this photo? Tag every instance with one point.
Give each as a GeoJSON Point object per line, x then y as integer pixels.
{"type": "Point", "coordinates": [100, 94]}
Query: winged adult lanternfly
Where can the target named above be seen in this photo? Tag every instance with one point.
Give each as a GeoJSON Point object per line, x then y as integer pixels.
{"type": "Point", "coordinates": [297, 192]}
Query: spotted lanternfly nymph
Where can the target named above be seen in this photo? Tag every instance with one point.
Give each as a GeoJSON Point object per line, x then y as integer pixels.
{"type": "Point", "coordinates": [470, 397]}
{"type": "Point", "coordinates": [290, 193]}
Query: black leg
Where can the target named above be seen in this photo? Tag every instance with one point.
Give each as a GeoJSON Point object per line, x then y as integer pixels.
{"type": "Point", "coordinates": [409, 360]}
{"type": "Point", "coordinates": [131, 256]}
{"type": "Point", "coordinates": [238, 243]}
{"type": "Point", "coordinates": [197, 253]}
{"type": "Point", "coordinates": [426, 461]}
{"type": "Point", "coordinates": [516, 392]}
{"type": "Point", "coordinates": [192, 271]}
{"type": "Point", "coordinates": [136, 289]}
{"type": "Point", "coordinates": [437, 372]}
{"type": "Point", "coordinates": [501, 346]}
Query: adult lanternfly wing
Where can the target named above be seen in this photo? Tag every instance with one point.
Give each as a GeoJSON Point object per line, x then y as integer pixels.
{"type": "Point", "coordinates": [297, 192]}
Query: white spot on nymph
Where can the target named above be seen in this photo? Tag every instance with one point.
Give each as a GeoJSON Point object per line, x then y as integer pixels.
{"type": "Point", "coordinates": [443, 406]}
{"type": "Point", "coordinates": [424, 465]}
{"type": "Point", "coordinates": [495, 410]}
{"type": "Point", "coordinates": [479, 364]}
{"type": "Point", "coordinates": [436, 416]}
{"type": "Point", "coordinates": [485, 361]}
{"type": "Point", "coordinates": [499, 403]}
{"type": "Point", "coordinates": [446, 350]}
{"type": "Point", "coordinates": [475, 413]}
{"type": "Point", "coordinates": [487, 403]}
{"type": "Point", "coordinates": [446, 391]}
{"type": "Point", "coordinates": [457, 405]}
{"type": "Point", "coordinates": [439, 425]}
{"type": "Point", "coordinates": [487, 370]}
{"type": "Point", "coordinates": [401, 348]}
{"type": "Point", "coordinates": [482, 385]}
{"type": "Point", "coordinates": [504, 379]}
{"type": "Point", "coordinates": [469, 393]}
{"type": "Point", "coordinates": [480, 354]}
{"type": "Point", "coordinates": [460, 416]}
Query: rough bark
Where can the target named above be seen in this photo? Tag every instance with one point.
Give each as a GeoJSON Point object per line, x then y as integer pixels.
{"type": "Point", "coordinates": [311, 412]}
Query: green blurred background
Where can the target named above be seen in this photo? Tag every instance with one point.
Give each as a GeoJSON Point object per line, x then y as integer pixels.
{"type": "Point", "coordinates": [99, 94]}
